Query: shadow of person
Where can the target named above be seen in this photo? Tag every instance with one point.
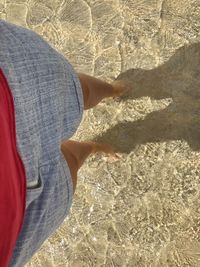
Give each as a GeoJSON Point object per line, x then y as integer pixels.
{"type": "Point", "coordinates": [179, 79]}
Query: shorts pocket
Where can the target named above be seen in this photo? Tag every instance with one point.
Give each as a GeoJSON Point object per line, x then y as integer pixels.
{"type": "Point", "coordinates": [34, 184]}
{"type": "Point", "coordinates": [34, 191]}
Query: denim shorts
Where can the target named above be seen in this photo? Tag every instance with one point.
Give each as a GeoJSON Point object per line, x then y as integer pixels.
{"type": "Point", "coordinates": [48, 103]}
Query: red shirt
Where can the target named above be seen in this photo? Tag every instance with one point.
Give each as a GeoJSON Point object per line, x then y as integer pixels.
{"type": "Point", "coordinates": [12, 177]}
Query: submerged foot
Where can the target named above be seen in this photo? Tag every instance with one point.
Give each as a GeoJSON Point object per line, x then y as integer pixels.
{"type": "Point", "coordinates": [101, 147]}
{"type": "Point", "coordinates": [121, 87]}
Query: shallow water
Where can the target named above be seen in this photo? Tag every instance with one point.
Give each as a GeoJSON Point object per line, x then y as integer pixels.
{"type": "Point", "coordinates": [142, 210]}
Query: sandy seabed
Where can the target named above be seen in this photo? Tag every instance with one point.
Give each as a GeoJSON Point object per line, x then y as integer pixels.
{"type": "Point", "coordinates": [142, 210]}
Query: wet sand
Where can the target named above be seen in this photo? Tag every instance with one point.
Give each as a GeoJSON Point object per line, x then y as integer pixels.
{"type": "Point", "coordinates": [142, 210]}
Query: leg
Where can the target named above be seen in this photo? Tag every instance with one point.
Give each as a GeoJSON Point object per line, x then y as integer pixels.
{"type": "Point", "coordinates": [94, 90]}
{"type": "Point", "coordinates": [76, 153]}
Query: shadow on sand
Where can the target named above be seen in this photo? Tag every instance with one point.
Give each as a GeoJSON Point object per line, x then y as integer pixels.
{"type": "Point", "coordinates": [179, 79]}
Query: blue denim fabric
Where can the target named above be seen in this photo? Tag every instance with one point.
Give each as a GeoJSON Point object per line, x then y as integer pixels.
{"type": "Point", "coordinates": [48, 104]}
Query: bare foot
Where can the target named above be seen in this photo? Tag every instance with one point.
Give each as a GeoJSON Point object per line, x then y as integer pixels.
{"type": "Point", "coordinates": [101, 147]}
{"type": "Point", "coordinates": [120, 87]}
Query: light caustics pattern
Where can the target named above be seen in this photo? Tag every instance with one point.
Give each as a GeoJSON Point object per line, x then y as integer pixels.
{"type": "Point", "coordinates": [142, 210]}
